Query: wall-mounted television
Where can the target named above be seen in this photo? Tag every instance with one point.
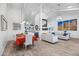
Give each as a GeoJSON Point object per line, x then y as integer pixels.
{"type": "Point", "coordinates": [44, 22]}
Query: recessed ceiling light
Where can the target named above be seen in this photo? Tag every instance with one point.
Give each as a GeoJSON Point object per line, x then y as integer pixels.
{"type": "Point", "coordinates": [33, 12]}
{"type": "Point", "coordinates": [23, 22]}
{"type": "Point", "coordinates": [69, 7]}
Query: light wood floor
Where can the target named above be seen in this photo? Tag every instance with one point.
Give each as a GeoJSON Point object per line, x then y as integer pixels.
{"type": "Point", "coordinates": [42, 48]}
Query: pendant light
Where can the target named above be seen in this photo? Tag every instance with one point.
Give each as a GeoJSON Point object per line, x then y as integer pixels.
{"type": "Point", "coordinates": [58, 13]}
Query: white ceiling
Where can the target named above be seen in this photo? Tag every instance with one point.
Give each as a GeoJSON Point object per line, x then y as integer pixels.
{"type": "Point", "coordinates": [50, 9]}
{"type": "Point", "coordinates": [30, 10]}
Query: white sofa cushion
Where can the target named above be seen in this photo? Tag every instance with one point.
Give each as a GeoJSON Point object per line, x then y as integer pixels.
{"type": "Point", "coordinates": [49, 37]}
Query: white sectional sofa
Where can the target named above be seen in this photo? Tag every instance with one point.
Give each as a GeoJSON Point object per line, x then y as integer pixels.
{"type": "Point", "coordinates": [49, 37]}
{"type": "Point", "coordinates": [67, 37]}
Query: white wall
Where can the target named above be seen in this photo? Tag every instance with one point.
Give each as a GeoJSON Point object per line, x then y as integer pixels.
{"type": "Point", "coordinates": [72, 15]}
{"type": "Point", "coordinates": [3, 34]}
{"type": "Point", "coordinates": [37, 18]}
{"type": "Point", "coordinates": [13, 15]}
{"type": "Point", "coordinates": [38, 21]}
{"type": "Point", "coordinates": [67, 15]}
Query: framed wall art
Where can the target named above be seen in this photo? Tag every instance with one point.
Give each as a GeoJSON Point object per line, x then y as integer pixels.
{"type": "Point", "coordinates": [68, 25]}
{"type": "Point", "coordinates": [16, 26]}
{"type": "Point", "coordinates": [60, 25]}
{"type": "Point", "coordinates": [73, 24]}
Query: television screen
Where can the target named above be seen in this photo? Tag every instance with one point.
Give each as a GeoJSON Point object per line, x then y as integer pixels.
{"type": "Point", "coordinates": [44, 23]}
